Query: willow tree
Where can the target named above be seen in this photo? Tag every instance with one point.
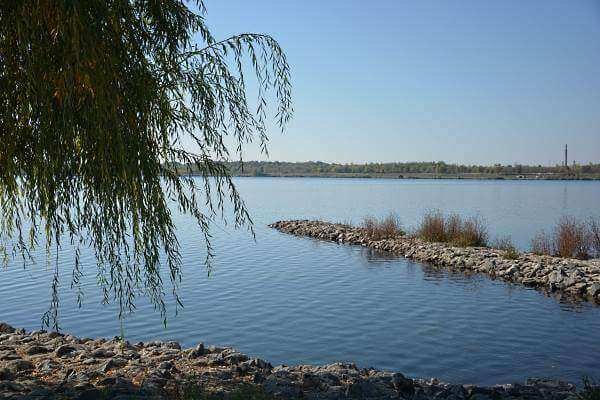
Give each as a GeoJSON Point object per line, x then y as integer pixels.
{"type": "Point", "coordinates": [99, 102]}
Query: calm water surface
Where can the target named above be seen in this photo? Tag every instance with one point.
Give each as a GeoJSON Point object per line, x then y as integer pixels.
{"type": "Point", "coordinates": [294, 300]}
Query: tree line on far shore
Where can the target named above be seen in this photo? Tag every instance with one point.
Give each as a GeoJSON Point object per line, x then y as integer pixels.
{"type": "Point", "coordinates": [315, 168]}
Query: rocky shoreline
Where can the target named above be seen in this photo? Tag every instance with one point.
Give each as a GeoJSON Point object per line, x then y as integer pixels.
{"type": "Point", "coordinates": [50, 365]}
{"type": "Point", "coordinates": [566, 278]}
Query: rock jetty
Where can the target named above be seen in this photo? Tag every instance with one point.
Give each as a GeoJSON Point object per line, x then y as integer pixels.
{"type": "Point", "coordinates": [566, 278]}
{"type": "Point", "coordinates": [50, 365]}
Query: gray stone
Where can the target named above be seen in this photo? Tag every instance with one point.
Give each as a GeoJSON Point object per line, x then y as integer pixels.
{"type": "Point", "coordinates": [36, 349]}
{"type": "Point", "coordinates": [64, 350]}
{"type": "Point", "coordinates": [5, 328]}
{"type": "Point", "coordinates": [16, 366]}
{"type": "Point", "coordinates": [102, 353]}
{"type": "Point", "coordinates": [593, 289]}
{"type": "Point", "coordinates": [198, 351]}
{"type": "Point", "coordinates": [173, 345]}
{"type": "Point", "coordinates": [113, 363]}
{"type": "Point", "coordinates": [5, 374]}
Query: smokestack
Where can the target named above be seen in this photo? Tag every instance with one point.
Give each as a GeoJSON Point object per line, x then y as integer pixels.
{"type": "Point", "coordinates": [566, 156]}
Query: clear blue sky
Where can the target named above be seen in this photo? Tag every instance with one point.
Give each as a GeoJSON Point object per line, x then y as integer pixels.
{"type": "Point", "coordinates": [466, 81]}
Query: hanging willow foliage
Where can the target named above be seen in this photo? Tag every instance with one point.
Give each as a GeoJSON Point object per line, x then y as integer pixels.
{"type": "Point", "coordinates": [96, 99]}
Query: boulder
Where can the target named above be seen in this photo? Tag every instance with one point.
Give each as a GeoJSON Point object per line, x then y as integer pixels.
{"type": "Point", "coordinates": [5, 328]}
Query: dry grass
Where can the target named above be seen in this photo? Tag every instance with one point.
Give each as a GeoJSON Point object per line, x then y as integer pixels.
{"type": "Point", "coordinates": [505, 243]}
{"type": "Point", "coordinates": [542, 245]}
{"type": "Point", "coordinates": [437, 227]}
{"type": "Point", "coordinates": [594, 234]}
{"type": "Point", "coordinates": [384, 228]}
{"type": "Point", "coordinates": [453, 226]}
{"type": "Point", "coordinates": [571, 238]}
{"type": "Point", "coordinates": [433, 227]}
{"type": "Point", "coordinates": [473, 233]}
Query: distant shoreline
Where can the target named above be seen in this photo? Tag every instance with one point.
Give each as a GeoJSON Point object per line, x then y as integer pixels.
{"type": "Point", "coordinates": [404, 170]}
{"type": "Point", "coordinates": [483, 177]}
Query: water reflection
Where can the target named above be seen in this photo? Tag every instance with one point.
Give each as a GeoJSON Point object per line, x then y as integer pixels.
{"type": "Point", "coordinates": [469, 280]}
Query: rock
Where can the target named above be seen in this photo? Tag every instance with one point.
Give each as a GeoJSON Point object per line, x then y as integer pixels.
{"type": "Point", "coordinates": [64, 350]}
{"type": "Point", "coordinates": [235, 358]}
{"type": "Point", "coordinates": [102, 353]}
{"type": "Point", "coordinates": [108, 381]}
{"type": "Point", "coordinates": [16, 366]}
{"type": "Point", "coordinates": [47, 366]}
{"type": "Point", "coordinates": [5, 328]}
{"type": "Point", "coordinates": [593, 290]}
{"type": "Point", "coordinates": [36, 349]}
{"type": "Point", "coordinates": [403, 385]}
{"type": "Point", "coordinates": [310, 381]}
{"type": "Point", "coordinates": [7, 355]}
{"type": "Point", "coordinates": [5, 374]}
{"type": "Point", "coordinates": [161, 370]}
{"type": "Point", "coordinates": [113, 363]}
{"type": "Point", "coordinates": [362, 389]}
{"type": "Point", "coordinates": [166, 366]}
{"type": "Point", "coordinates": [8, 386]}
{"type": "Point", "coordinates": [260, 364]}
{"type": "Point", "coordinates": [198, 351]}
{"type": "Point", "coordinates": [279, 387]}
{"type": "Point", "coordinates": [512, 270]}
{"type": "Point", "coordinates": [173, 345]}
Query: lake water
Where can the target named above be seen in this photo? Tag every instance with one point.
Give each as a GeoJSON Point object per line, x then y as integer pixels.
{"type": "Point", "coordinates": [295, 300]}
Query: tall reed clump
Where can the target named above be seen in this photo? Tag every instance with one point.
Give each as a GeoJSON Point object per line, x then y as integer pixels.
{"type": "Point", "coordinates": [571, 238]}
{"type": "Point", "coordinates": [433, 227]}
{"type": "Point", "coordinates": [437, 227]}
{"type": "Point", "coordinates": [385, 228]}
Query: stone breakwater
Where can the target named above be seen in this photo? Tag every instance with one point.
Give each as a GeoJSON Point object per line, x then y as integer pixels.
{"type": "Point", "coordinates": [574, 279]}
{"type": "Point", "coordinates": [50, 365]}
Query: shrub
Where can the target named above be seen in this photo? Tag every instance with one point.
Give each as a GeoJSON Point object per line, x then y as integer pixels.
{"type": "Point", "coordinates": [542, 245]}
{"type": "Point", "coordinates": [571, 239]}
{"type": "Point", "coordinates": [453, 226]}
{"type": "Point", "coordinates": [433, 227]}
{"type": "Point", "coordinates": [505, 244]}
{"type": "Point", "coordinates": [594, 234]}
{"type": "Point", "coordinates": [436, 227]}
{"type": "Point", "coordinates": [473, 232]}
{"type": "Point", "coordinates": [387, 227]}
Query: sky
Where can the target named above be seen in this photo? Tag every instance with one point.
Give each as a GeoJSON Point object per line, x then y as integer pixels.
{"type": "Point", "coordinates": [464, 81]}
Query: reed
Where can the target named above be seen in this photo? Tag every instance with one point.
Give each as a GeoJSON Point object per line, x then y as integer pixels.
{"type": "Point", "coordinates": [385, 228]}
{"type": "Point", "coordinates": [433, 227]}
{"type": "Point", "coordinates": [571, 239]}
{"type": "Point", "coordinates": [437, 227]}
